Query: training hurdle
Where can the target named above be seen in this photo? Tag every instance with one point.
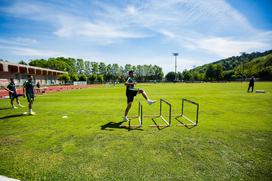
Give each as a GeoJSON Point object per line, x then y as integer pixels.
{"type": "Point", "coordinates": [168, 122]}
{"type": "Point", "coordinates": [193, 123]}
{"type": "Point", "coordinates": [139, 116]}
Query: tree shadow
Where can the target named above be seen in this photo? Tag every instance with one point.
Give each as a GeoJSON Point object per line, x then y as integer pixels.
{"type": "Point", "coordinates": [13, 116]}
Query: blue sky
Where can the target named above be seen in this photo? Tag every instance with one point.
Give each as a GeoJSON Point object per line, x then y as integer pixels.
{"type": "Point", "coordinates": [134, 31]}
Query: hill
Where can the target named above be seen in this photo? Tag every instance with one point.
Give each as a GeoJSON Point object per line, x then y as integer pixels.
{"type": "Point", "coordinates": [236, 67]}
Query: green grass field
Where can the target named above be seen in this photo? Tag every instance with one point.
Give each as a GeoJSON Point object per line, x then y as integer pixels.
{"type": "Point", "coordinates": [232, 142]}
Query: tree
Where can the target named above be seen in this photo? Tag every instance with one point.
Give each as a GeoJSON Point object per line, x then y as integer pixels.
{"type": "Point", "coordinates": [158, 72]}
{"type": "Point", "coordinates": [80, 66]}
{"type": "Point", "coordinates": [210, 72]}
{"type": "Point", "coordinates": [82, 77]}
{"type": "Point", "coordinates": [187, 75]}
{"type": "Point", "coordinates": [180, 76]}
{"type": "Point", "coordinates": [170, 76]}
{"type": "Point", "coordinates": [73, 77]}
{"type": "Point", "coordinates": [39, 63]}
{"type": "Point", "coordinates": [100, 78]}
{"type": "Point", "coordinates": [94, 67]}
{"type": "Point", "coordinates": [102, 68]}
{"type": "Point", "coordinates": [22, 62]}
{"type": "Point", "coordinates": [92, 78]}
{"type": "Point", "coordinates": [64, 77]}
{"type": "Point", "coordinates": [87, 66]}
{"type": "Point", "coordinates": [219, 72]}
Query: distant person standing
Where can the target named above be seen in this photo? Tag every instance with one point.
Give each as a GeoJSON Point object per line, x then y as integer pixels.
{"type": "Point", "coordinates": [29, 93]}
{"type": "Point", "coordinates": [11, 88]}
{"type": "Point", "coordinates": [251, 84]}
{"type": "Point", "coordinates": [38, 87]}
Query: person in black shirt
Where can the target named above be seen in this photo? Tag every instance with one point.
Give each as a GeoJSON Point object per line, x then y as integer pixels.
{"type": "Point", "coordinates": [11, 88]}
{"type": "Point", "coordinates": [131, 92]}
{"type": "Point", "coordinates": [251, 84]}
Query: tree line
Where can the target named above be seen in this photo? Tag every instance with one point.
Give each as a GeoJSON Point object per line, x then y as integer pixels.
{"type": "Point", "coordinates": [230, 69]}
{"type": "Point", "coordinates": [97, 72]}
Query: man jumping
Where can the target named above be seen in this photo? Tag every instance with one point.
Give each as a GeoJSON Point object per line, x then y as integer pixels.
{"type": "Point", "coordinates": [29, 93]}
{"type": "Point", "coordinates": [131, 92]}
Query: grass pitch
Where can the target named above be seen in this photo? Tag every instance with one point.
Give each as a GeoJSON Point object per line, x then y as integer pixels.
{"type": "Point", "coordinates": [232, 142]}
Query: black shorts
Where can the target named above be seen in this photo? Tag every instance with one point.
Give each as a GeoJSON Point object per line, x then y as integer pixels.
{"type": "Point", "coordinates": [130, 95]}
{"type": "Point", "coordinates": [30, 97]}
{"type": "Point", "coordinates": [12, 96]}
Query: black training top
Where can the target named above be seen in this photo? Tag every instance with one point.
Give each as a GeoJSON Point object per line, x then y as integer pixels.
{"type": "Point", "coordinates": [12, 87]}
{"type": "Point", "coordinates": [252, 80]}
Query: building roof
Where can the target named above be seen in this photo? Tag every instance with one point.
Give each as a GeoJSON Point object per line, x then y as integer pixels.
{"type": "Point", "coordinates": [4, 67]}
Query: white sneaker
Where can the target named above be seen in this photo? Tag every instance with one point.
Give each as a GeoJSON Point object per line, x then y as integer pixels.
{"type": "Point", "coordinates": [150, 102]}
{"type": "Point", "coordinates": [32, 113]}
{"type": "Point", "coordinates": [125, 119]}
{"type": "Point", "coordinates": [14, 107]}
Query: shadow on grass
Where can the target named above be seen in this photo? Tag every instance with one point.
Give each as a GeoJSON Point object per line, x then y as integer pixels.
{"type": "Point", "coordinates": [110, 126]}
{"type": "Point", "coordinates": [4, 108]}
{"type": "Point", "coordinates": [13, 116]}
{"type": "Point", "coordinates": [188, 126]}
{"type": "Point", "coordinates": [159, 126]}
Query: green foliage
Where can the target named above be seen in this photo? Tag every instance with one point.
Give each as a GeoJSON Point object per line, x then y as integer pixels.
{"type": "Point", "coordinates": [238, 67]}
{"type": "Point", "coordinates": [82, 77]}
{"type": "Point", "coordinates": [22, 62]}
{"type": "Point", "coordinates": [187, 76]}
{"type": "Point", "coordinates": [109, 73]}
{"type": "Point", "coordinates": [64, 77]}
{"type": "Point", "coordinates": [92, 78]}
{"type": "Point", "coordinates": [170, 76]}
{"type": "Point", "coordinates": [100, 78]}
{"type": "Point", "coordinates": [73, 77]}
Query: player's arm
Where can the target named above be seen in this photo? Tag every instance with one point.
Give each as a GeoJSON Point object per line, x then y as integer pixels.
{"type": "Point", "coordinates": [7, 89]}
{"type": "Point", "coordinates": [129, 82]}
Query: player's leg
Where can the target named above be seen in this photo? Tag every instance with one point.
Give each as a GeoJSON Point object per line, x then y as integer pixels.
{"type": "Point", "coordinates": [129, 103]}
{"type": "Point", "coordinates": [18, 102]}
{"type": "Point", "coordinates": [146, 97]}
{"type": "Point", "coordinates": [128, 108]}
{"type": "Point", "coordinates": [11, 102]}
{"type": "Point", "coordinates": [252, 88]}
{"type": "Point", "coordinates": [30, 99]}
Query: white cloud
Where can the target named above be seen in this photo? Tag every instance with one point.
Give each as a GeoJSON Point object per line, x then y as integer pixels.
{"type": "Point", "coordinates": [131, 10]}
{"type": "Point", "coordinates": [22, 41]}
{"type": "Point", "coordinates": [226, 47]}
{"type": "Point", "coordinates": [210, 27]}
{"type": "Point", "coordinates": [32, 52]}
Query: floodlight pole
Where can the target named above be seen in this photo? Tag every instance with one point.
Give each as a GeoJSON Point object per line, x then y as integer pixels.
{"type": "Point", "coordinates": [242, 64]}
{"type": "Point", "coordinates": [175, 55]}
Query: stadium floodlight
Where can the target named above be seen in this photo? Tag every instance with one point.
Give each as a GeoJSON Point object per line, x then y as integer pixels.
{"type": "Point", "coordinates": [175, 55]}
{"type": "Point", "coordinates": [242, 64]}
